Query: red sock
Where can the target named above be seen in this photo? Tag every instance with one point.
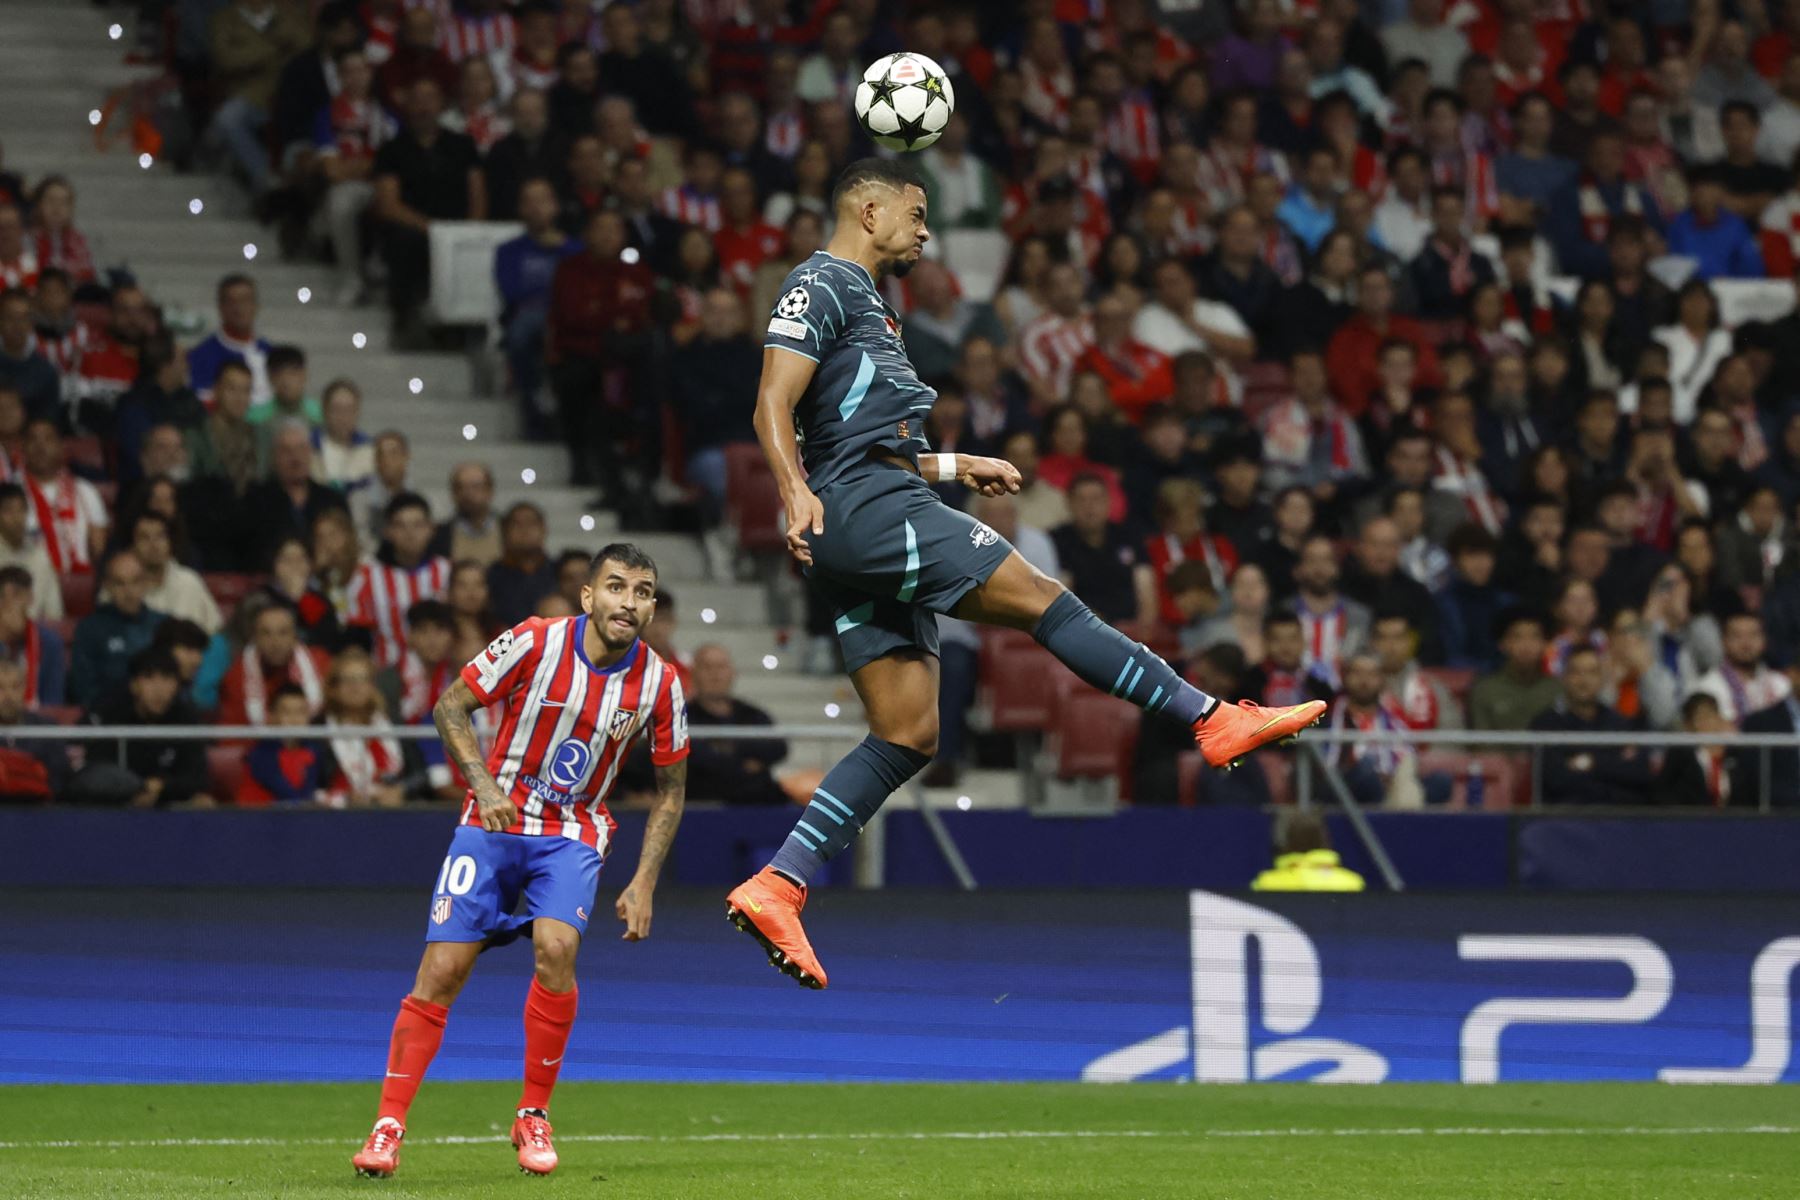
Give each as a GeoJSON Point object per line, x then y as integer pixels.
{"type": "Point", "coordinates": [417, 1031]}
{"type": "Point", "coordinates": [548, 1018]}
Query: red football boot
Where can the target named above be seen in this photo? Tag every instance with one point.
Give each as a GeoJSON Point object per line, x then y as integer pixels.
{"type": "Point", "coordinates": [1234, 730]}
{"type": "Point", "coordinates": [767, 907]}
{"type": "Point", "coordinates": [380, 1155]}
{"type": "Point", "coordinates": [531, 1136]}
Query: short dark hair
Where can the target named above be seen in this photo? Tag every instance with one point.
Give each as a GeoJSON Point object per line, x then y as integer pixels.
{"type": "Point", "coordinates": [54, 275]}
{"type": "Point", "coordinates": [280, 358]}
{"type": "Point", "coordinates": [232, 365]}
{"type": "Point", "coordinates": [1080, 479]}
{"type": "Point", "coordinates": [1280, 616]}
{"type": "Point", "coordinates": [1690, 708]}
{"type": "Point", "coordinates": [431, 612]}
{"type": "Point", "coordinates": [1581, 650]}
{"type": "Point", "coordinates": [152, 517]}
{"type": "Point", "coordinates": [179, 633]}
{"type": "Point", "coordinates": [14, 575]}
{"type": "Point", "coordinates": [569, 556]}
{"type": "Point", "coordinates": [1190, 575]}
{"type": "Point", "coordinates": [11, 491]}
{"type": "Point", "coordinates": [402, 501]}
{"type": "Point", "coordinates": [153, 661]}
{"type": "Point", "coordinates": [626, 554]}
{"type": "Point", "coordinates": [520, 509]}
{"type": "Point", "coordinates": [288, 691]}
{"type": "Point", "coordinates": [888, 171]}
{"type": "Point", "coordinates": [1743, 108]}
{"type": "Point", "coordinates": [233, 280]}
{"type": "Point", "coordinates": [1471, 539]}
{"type": "Point", "coordinates": [1510, 618]}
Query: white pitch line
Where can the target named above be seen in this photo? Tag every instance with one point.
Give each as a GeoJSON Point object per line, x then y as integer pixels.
{"type": "Point", "coordinates": [949, 1136]}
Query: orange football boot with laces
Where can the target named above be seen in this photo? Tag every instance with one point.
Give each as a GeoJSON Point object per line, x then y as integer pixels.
{"type": "Point", "coordinates": [531, 1136]}
{"type": "Point", "coordinates": [380, 1155]}
{"type": "Point", "coordinates": [1234, 730]}
{"type": "Point", "coordinates": [767, 907]}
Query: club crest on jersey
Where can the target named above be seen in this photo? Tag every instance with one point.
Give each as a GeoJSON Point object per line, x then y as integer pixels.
{"type": "Point", "coordinates": [981, 535]}
{"type": "Point", "coordinates": [440, 910]}
{"type": "Point", "coordinates": [893, 326]}
{"type": "Point", "coordinates": [621, 721]}
{"type": "Point", "coordinates": [903, 430]}
{"type": "Point", "coordinates": [569, 763]}
{"type": "Point", "coordinates": [794, 304]}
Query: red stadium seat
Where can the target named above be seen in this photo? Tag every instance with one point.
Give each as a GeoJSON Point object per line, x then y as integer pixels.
{"type": "Point", "coordinates": [1094, 736]}
{"type": "Point", "coordinates": [1444, 332]}
{"type": "Point", "coordinates": [1265, 377]}
{"type": "Point", "coordinates": [1020, 694]}
{"type": "Point", "coordinates": [225, 772]}
{"type": "Point", "coordinates": [228, 588]}
{"type": "Point", "coordinates": [752, 500]}
{"type": "Point", "coordinates": [78, 591]}
{"type": "Point", "coordinates": [62, 714]}
{"type": "Point", "coordinates": [1456, 680]}
{"type": "Point", "coordinates": [1504, 778]}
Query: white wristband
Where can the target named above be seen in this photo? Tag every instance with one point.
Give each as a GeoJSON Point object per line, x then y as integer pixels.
{"type": "Point", "coordinates": [946, 468]}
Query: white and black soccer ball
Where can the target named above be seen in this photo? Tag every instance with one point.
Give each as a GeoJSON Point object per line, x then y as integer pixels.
{"type": "Point", "coordinates": [904, 101]}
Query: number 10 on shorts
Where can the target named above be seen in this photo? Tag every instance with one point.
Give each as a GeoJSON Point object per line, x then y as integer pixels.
{"type": "Point", "coordinates": [456, 876]}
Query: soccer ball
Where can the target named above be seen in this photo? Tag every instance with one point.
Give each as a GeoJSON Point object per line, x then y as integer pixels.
{"type": "Point", "coordinates": [904, 101]}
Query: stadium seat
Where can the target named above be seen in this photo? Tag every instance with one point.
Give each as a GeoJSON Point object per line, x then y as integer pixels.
{"type": "Point", "coordinates": [752, 500]}
{"type": "Point", "coordinates": [62, 714]}
{"type": "Point", "coordinates": [225, 771]}
{"type": "Point", "coordinates": [1020, 695]}
{"type": "Point", "coordinates": [1504, 777]}
{"type": "Point", "coordinates": [1094, 736]}
{"type": "Point", "coordinates": [228, 588]}
{"type": "Point", "coordinates": [1444, 332]}
{"type": "Point", "coordinates": [78, 589]}
{"type": "Point", "coordinates": [1456, 680]}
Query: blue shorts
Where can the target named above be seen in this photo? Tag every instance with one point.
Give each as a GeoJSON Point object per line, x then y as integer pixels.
{"type": "Point", "coordinates": [485, 873]}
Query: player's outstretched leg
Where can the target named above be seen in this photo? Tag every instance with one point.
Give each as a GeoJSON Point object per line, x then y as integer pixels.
{"type": "Point", "coordinates": [1019, 595]}
{"type": "Point", "coordinates": [899, 692]}
{"type": "Point", "coordinates": [418, 1030]}
{"type": "Point", "coordinates": [549, 1015]}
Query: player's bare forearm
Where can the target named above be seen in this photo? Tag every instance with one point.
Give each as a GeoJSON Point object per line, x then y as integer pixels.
{"type": "Point", "coordinates": [665, 818]}
{"type": "Point", "coordinates": [634, 906]}
{"type": "Point", "coordinates": [451, 716]}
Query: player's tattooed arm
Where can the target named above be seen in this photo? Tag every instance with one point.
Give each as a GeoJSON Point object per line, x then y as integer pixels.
{"type": "Point", "coordinates": [451, 714]}
{"type": "Point", "coordinates": [659, 832]}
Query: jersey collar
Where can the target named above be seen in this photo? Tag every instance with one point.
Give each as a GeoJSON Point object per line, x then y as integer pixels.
{"type": "Point", "coordinates": [851, 262]}
{"type": "Point", "coordinates": [581, 650]}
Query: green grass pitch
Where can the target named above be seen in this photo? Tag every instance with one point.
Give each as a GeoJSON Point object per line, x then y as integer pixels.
{"type": "Point", "coordinates": [798, 1142]}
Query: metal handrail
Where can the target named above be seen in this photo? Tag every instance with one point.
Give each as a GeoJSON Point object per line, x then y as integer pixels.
{"type": "Point", "coordinates": [1484, 738]}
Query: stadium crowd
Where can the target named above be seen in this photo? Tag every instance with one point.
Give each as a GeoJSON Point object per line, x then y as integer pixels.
{"type": "Point", "coordinates": [1374, 351]}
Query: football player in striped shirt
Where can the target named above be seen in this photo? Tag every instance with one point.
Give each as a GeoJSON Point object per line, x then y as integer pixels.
{"type": "Point", "coordinates": [575, 692]}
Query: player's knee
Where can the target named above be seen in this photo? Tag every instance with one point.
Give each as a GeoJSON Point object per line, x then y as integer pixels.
{"type": "Point", "coordinates": [555, 951]}
{"type": "Point", "coordinates": [920, 733]}
{"type": "Point", "coordinates": [440, 980]}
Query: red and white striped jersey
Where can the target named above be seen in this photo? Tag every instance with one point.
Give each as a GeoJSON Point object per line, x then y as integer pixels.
{"type": "Point", "coordinates": [566, 725]}
{"type": "Point", "coordinates": [379, 595]}
{"type": "Point", "coordinates": [467, 36]}
{"type": "Point", "coordinates": [1049, 347]}
{"type": "Point", "coordinates": [690, 207]}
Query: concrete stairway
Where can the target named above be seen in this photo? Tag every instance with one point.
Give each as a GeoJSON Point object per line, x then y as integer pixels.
{"type": "Point", "coordinates": [57, 63]}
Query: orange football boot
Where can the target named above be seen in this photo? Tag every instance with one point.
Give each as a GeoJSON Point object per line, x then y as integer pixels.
{"type": "Point", "coordinates": [767, 907]}
{"type": "Point", "coordinates": [380, 1155]}
{"type": "Point", "coordinates": [1234, 730]}
{"type": "Point", "coordinates": [531, 1136]}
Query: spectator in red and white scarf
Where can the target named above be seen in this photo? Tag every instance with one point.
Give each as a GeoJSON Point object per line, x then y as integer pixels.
{"type": "Point", "coordinates": [1308, 439]}
{"type": "Point", "coordinates": [35, 646]}
{"type": "Point", "coordinates": [1583, 211]}
{"type": "Point", "coordinates": [477, 110]}
{"type": "Point", "coordinates": [346, 134]}
{"type": "Point", "coordinates": [1368, 768]}
{"type": "Point", "coordinates": [57, 242]}
{"type": "Point", "coordinates": [273, 659]}
{"type": "Point", "coordinates": [1448, 269]}
{"type": "Point", "coordinates": [369, 769]}
{"type": "Point", "coordinates": [1417, 699]}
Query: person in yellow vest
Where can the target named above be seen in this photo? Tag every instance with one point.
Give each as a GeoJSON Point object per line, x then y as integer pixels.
{"type": "Point", "coordinates": [1306, 863]}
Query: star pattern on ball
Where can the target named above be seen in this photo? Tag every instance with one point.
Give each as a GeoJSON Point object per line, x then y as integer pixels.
{"type": "Point", "coordinates": [883, 89]}
{"type": "Point", "coordinates": [933, 85]}
{"type": "Point", "coordinates": [911, 129]}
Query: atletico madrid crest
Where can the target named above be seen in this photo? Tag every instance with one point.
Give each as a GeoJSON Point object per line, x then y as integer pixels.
{"type": "Point", "coordinates": [440, 910]}
{"type": "Point", "coordinates": [621, 721]}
